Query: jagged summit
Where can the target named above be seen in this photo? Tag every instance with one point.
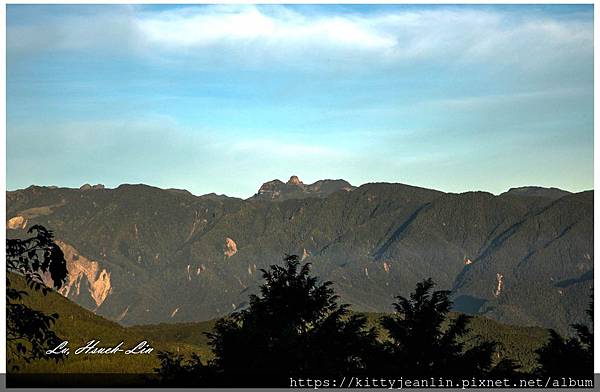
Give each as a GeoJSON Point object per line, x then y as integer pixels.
{"type": "Point", "coordinates": [88, 187]}
{"type": "Point", "coordinates": [294, 180]}
{"type": "Point", "coordinates": [294, 188]}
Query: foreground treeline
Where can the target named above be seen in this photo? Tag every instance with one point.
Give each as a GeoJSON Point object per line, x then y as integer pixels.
{"type": "Point", "coordinates": [296, 328]}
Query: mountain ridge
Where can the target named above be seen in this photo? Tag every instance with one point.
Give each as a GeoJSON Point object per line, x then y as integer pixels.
{"type": "Point", "coordinates": [172, 256]}
{"type": "Point", "coordinates": [534, 190]}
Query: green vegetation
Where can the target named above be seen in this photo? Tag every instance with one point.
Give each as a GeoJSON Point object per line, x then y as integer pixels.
{"type": "Point", "coordinates": [423, 341]}
{"type": "Point", "coordinates": [514, 342]}
{"type": "Point", "coordinates": [164, 249]}
{"type": "Point", "coordinates": [79, 325]}
{"type": "Point", "coordinates": [29, 331]}
{"type": "Point", "coordinates": [296, 327]}
{"type": "Point", "coordinates": [569, 356]}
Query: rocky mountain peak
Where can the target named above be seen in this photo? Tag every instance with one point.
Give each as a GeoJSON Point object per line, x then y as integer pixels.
{"type": "Point", "coordinates": [294, 188]}
{"type": "Point", "coordinates": [294, 180]}
{"type": "Point", "coordinates": [88, 187]}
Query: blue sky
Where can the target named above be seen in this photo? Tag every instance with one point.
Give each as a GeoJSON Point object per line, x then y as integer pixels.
{"type": "Point", "coordinates": [223, 98]}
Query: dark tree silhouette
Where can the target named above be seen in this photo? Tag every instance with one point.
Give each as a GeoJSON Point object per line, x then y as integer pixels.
{"type": "Point", "coordinates": [294, 328]}
{"type": "Point", "coordinates": [425, 342]}
{"type": "Point", "coordinates": [175, 369]}
{"type": "Point", "coordinates": [572, 356]}
{"type": "Point", "coordinates": [28, 331]}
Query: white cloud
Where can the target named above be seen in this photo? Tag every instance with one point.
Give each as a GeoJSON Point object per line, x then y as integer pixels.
{"type": "Point", "coordinates": [251, 35]}
{"type": "Point", "coordinates": [248, 25]}
{"type": "Point", "coordinates": [464, 36]}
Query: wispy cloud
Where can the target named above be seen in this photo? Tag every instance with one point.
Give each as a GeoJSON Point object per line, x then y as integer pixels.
{"type": "Point", "coordinates": [251, 26]}
{"type": "Point", "coordinates": [255, 35]}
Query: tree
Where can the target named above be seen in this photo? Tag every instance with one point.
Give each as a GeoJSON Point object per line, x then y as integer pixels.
{"type": "Point", "coordinates": [174, 369]}
{"type": "Point", "coordinates": [28, 331]}
{"type": "Point", "coordinates": [572, 356]}
{"type": "Point", "coordinates": [294, 328]}
{"type": "Point", "coordinates": [424, 342]}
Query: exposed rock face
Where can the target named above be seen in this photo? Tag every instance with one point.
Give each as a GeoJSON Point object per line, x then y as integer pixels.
{"type": "Point", "coordinates": [276, 190]}
{"type": "Point", "coordinates": [84, 275]}
{"type": "Point", "coordinates": [88, 187]}
{"type": "Point", "coordinates": [230, 247]}
{"type": "Point", "coordinates": [270, 190]}
{"type": "Point", "coordinates": [386, 267]}
{"type": "Point", "coordinates": [18, 222]}
{"type": "Point", "coordinates": [294, 180]}
{"type": "Point", "coordinates": [499, 284]}
{"type": "Point", "coordinates": [305, 254]}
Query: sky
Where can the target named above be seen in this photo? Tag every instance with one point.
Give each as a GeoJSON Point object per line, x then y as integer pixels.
{"type": "Point", "coordinates": [221, 98]}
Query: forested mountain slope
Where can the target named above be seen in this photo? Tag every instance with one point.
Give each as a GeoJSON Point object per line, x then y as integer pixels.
{"type": "Point", "coordinates": [140, 254]}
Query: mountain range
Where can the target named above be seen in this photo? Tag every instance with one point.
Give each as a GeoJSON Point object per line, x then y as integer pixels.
{"type": "Point", "coordinates": [139, 254]}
